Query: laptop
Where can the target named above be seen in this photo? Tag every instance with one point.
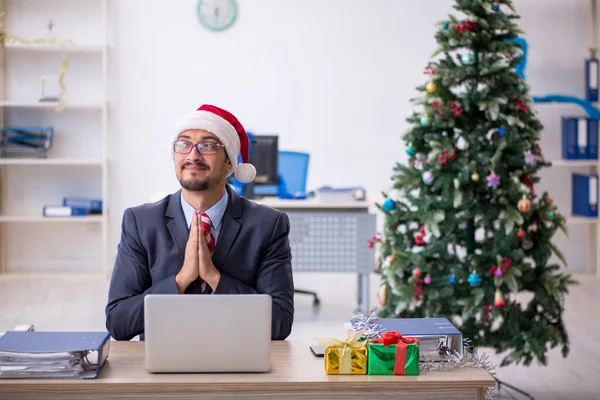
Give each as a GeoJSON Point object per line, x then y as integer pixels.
{"type": "Point", "coordinates": [207, 333]}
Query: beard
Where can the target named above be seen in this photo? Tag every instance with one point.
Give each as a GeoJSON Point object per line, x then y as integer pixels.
{"type": "Point", "coordinates": [201, 184]}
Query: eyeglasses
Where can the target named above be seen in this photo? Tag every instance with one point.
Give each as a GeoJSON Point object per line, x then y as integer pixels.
{"type": "Point", "coordinates": [204, 148]}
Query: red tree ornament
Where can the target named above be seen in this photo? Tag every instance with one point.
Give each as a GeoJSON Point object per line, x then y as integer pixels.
{"type": "Point", "coordinates": [498, 299]}
{"type": "Point", "coordinates": [524, 205]}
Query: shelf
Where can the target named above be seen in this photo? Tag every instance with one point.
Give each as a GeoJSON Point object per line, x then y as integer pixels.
{"type": "Point", "coordinates": [41, 218]}
{"type": "Point", "coordinates": [50, 161]}
{"type": "Point", "coordinates": [574, 163]}
{"type": "Point", "coordinates": [577, 220]}
{"type": "Point", "coordinates": [54, 48]}
{"type": "Point", "coordinates": [50, 105]}
{"type": "Point", "coordinates": [62, 275]}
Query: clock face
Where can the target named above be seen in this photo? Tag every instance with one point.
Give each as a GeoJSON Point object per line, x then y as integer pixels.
{"type": "Point", "coordinates": [217, 15]}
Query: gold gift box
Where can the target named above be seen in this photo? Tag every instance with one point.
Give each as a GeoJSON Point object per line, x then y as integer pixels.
{"type": "Point", "coordinates": [345, 361]}
{"type": "Point", "coordinates": [345, 357]}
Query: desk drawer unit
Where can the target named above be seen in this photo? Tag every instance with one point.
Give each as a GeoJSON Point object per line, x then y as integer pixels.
{"type": "Point", "coordinates": [331, 241]}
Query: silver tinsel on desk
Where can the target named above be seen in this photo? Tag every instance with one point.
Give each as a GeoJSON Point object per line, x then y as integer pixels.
{"type": "Point", "coordinates": [453, 359]}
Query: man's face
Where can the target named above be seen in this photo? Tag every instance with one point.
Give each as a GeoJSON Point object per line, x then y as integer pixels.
{"type": "Point", "coordinates": [199, 172]}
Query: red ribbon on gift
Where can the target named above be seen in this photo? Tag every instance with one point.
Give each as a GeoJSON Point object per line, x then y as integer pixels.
{"type": "Point", "coordinates": [394, 337]}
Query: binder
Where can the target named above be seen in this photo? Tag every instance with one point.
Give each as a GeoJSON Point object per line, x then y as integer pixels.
{"type": "Point", "coordinates": [438, 336]}
{"type": "Point", "coordinates": [61, 211]}
{"type": "Point", "coordinates": [579, 138]}
{"type": "Point", "coordinates": [93, 206]}
{"type": "Point", "coordinates": [592, 140]}
{"type": "Point", "coordinates": [591, 79]}
{"type": "Point", "coordinates": [585, 195]}
{"type": "Point", "coordinates": [31, 354]}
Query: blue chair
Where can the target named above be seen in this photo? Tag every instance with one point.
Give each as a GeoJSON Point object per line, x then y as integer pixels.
{"type": "Point", "coordinates": [292, 172]}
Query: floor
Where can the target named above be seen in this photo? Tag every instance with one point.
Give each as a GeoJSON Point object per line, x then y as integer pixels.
{"type": "Point", "coordinates": [77, 303]}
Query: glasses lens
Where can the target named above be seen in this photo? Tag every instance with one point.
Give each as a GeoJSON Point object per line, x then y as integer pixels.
{"type": "Point", "coordinates": [182, 147]}
{"type": "Point", "coordinates": [208, 148]}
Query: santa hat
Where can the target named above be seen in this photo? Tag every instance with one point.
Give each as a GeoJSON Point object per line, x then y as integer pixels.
{"type": "Point", "coordinates": [230, 132]}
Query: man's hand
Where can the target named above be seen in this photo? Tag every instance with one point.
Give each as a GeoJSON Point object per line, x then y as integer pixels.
{"type": "Point", "coordinates": [206, 268]}
{"type": "Point", "coordinates": [189, 271]}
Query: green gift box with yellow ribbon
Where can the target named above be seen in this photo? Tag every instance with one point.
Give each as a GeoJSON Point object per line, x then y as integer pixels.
{"type": "Point", "coordinates": [393, 354]}
{"type": "Point", "coordinates": [345, 357]}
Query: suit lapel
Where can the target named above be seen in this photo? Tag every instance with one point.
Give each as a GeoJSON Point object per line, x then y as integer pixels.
{"type": "Point", "coordinates": [177, 225]}
{"type": "Point", "coordinates": [229, 229]}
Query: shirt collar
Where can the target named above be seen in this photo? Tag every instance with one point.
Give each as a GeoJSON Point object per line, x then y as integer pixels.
{"type": "Point", "coordinates": [215, 213]}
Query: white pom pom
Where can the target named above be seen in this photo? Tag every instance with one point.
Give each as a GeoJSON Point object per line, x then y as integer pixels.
{"type": "Point", "coordinates": [245, 173]}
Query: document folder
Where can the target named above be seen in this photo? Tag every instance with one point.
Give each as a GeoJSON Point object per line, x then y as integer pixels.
{"type": "Point", "coordinates": [53, 354]}
{"type": "Point", "coordinates": [438, 336]}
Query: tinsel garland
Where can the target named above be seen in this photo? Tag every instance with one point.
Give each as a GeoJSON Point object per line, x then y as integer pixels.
{"type": "Point", "coordinates": [6, 38]}
{"type": "Point", "coordinates": [367, 322]}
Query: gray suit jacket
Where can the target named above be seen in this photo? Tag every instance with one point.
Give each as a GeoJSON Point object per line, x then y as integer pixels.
{"type": "Point", "coordinates": [252, 253]}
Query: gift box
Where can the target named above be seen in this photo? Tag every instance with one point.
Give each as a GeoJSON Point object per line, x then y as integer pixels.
{"type": "Point", "coordinates": [393, 354]}
{"type": "Point", "coordinates": [347, 357]}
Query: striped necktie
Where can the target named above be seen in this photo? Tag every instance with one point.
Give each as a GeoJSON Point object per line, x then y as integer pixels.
{"type": "Point", "coordinates": [210, 241]}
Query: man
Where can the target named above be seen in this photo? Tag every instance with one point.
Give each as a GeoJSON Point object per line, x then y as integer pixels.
{"type": "Point", "coordinates": [203, 239]}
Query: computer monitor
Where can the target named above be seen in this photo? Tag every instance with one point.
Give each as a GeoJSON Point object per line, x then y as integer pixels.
{"type": "Point", "coordinates": [264, 156]}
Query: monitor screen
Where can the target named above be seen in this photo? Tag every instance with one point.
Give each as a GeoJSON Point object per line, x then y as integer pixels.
{"type": "Point", "coordinates": [265, 157]}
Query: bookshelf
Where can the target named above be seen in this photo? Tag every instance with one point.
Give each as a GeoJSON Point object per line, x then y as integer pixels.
{"type": "Point", "coordinates": [562, 169]}
{"type": "Point", "coordinates": [42, 35]}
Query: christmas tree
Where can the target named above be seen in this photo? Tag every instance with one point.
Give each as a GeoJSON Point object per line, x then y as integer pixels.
{"type": "Point", "coordinates": [466, 235]}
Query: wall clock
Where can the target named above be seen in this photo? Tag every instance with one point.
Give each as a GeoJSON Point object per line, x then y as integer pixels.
{"type": "Point", "coordinates": [216, 15]}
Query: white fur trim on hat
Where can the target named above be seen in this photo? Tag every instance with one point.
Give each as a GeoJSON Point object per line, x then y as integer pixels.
{"type": "Point", "coordinates": [245, 172]}
{"type": "Point", "coordinates": [219, 127]}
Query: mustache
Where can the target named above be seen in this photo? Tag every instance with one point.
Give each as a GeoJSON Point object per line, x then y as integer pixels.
{"type": "Point", "coordinates": [197, 164]}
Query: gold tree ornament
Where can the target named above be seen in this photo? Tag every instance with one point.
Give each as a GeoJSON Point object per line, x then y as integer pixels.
{"type": "Point", "coordinates": [431, 87]}
{"type": "Point", "coordinates": [382, 296]}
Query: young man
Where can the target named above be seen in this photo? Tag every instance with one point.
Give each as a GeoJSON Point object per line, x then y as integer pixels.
{"type": "Point", "coordinates": [203, 239]}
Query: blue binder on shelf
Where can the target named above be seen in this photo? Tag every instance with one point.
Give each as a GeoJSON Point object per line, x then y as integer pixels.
{"type": "Point", "coordinates": [53, 354]}
{"type": "Point", "coordinates": [93, 206]}
{"type": "Point", "coordinates": [579, 138]}
{"type": "Point", "coordinates": [585, 195]}
{"type": "Point", "coordinates": [592, 139]}
{"type": "Point", "coordinates": [591, 79]}
{"type": "Point", "coordinates": [64, 211]}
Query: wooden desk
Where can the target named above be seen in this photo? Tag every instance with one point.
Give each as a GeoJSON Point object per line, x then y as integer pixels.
{"type": "Point", "coordinates": [295, 374]}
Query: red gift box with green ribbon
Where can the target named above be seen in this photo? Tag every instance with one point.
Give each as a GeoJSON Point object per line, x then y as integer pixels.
{"type": "Point", "coordinates": [393, 354]}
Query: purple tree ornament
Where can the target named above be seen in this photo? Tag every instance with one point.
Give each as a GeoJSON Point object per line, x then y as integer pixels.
{"type": "Point", "coordinates": [493, 180]}
{"type": "Point", "coordinates": [530, 159]}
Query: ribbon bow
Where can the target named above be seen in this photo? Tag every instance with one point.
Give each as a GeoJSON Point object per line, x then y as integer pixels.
{"type": "Point", "coordinates": [345, 348]}
{"type": "Point", "coordinates": [394, 337]}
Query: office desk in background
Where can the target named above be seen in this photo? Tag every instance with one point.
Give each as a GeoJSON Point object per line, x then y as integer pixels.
{"type": "Point", "coordinates": [331, 237]}
{"type": "Point", "coordinates": [295, 374]}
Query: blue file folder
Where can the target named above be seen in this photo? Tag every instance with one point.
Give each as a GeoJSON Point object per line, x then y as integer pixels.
{"type": "Point", "coordinates": [585, 195]}
{"type": "Point", "coordinates": [579, 138]}
{"type": "Point", "coordinates": [591, 79]}
{"type": "Point", "coordinates": [592, 140]}
{"type": "Point", "coordinates": [62, 211]}
{"type": "Point", "coordinates": [42, 354]}
{"type": "Point", "coordinates": [93, 206]}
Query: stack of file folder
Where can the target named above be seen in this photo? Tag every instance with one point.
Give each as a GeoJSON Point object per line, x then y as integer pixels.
{"type": "Point", "coordinates": [25, 141]}
{"type": "Point", "coordinates": [53, 354]}
{"type": "Point", "coordinates": [439, 339]}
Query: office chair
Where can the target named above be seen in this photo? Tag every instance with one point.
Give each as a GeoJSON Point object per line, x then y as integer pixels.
{"type": "Point", "coordinates": [293, 171]}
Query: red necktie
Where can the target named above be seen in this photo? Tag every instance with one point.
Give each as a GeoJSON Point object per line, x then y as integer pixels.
{"type": "Point", "coordinates": [210, 241]}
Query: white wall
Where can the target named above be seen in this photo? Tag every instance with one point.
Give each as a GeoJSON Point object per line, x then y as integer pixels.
{"type": "Point", "coordinates": [333, 78]}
